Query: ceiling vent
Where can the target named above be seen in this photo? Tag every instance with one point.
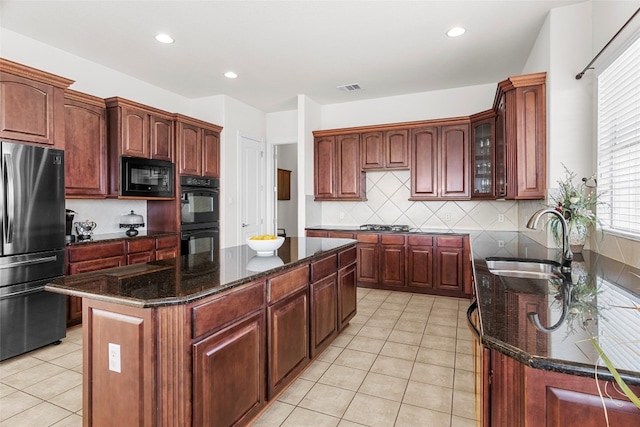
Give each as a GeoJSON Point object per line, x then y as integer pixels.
{"type": "Point", "coordinates": [349, 88]}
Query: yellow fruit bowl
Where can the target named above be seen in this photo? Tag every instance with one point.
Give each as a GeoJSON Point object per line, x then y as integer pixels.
{"type": "Point", "coordinates": [265, 245]}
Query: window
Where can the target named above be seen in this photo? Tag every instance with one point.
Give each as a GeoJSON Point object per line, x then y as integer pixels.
{"type": "Point", "coordinates": [619, 143]}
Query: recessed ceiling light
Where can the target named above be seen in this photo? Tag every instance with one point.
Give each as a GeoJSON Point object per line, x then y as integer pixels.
{"type": "Point", "coordinates": [456, 31]}
{"type": "Point", "coordinates": [164, 38]}
{"type": "Point", "coordinates": [230, 75]}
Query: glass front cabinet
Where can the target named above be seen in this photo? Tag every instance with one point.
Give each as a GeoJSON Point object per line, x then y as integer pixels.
{"type": "Point", "coordinates": [483, 155]}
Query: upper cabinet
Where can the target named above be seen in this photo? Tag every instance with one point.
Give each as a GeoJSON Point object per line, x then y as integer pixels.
{"type": "Point", "coordinates": [520, 133]}
{"type": "Point", "coordinates": [198, 147]}
{"type": "Point", "coordinates": [86, 145]}
{"type": "Point", "coordinates": [385, 150]}
{"type": "Point", "coordinates": [440, 162]}
{"type": "Point", "coordinates": [482, 155]}
{"type": "Point", "coordinates": [337, 172]}
{"type": "Point", "coordinates": [31, 105]}
{"type": "Point", "coordinates": [139, 131]}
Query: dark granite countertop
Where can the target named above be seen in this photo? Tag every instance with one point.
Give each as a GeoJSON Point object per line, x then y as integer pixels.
{"type": "Point", "coordinates": [604, 303]}
{"type": "Point", "coordinates": [411, 231]}
{"type": "Point", "coordinates": [109, 237]}
{"type": "Point", "coordinates": [191, 277]}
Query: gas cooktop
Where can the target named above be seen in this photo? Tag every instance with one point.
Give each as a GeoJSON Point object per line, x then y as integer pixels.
{"type": "Point", "coordinates": [383, 227]}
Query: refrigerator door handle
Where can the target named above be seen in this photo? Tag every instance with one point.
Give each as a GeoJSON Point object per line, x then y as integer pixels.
{"type": "Point", "coordinates": [9, 197]}
{"type": "Point", "coordinates": [29, 262]}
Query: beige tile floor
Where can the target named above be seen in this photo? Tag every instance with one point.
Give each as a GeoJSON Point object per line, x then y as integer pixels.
{"type": "Point", "coordinates": [404, 360]}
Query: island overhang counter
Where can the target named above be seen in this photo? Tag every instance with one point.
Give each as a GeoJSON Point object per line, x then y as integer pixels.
{"type": "Point", "coordinates": [209, 338]}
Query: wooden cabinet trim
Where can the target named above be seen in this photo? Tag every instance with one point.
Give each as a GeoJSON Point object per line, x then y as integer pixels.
{"type": "Point", "coordinates": [34, 74]}
{"type": "Point", "coordinates": [211, 315]}
{"type": "Point", "coordinates": [390, 126]}
{"type": "Point", "coordinates": [287, 284]}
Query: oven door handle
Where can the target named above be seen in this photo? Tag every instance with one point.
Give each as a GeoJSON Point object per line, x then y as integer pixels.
{"type": "Point", "coordinates": [473, 307]}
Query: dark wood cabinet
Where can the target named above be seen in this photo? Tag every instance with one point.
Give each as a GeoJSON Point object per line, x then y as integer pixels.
{"type": "Point", "coordinates": [392, 260]}
{"type": "Point", "coordinates": [139, 130]}
{"type": "Point", "coordinates": [520, 395]}
{"type": "Point", "coordinates": [85, 163]}
{"type": "Point", "coordinates": [324, 309]}
{"type": "Point", "coordinates": [420, 262]}
{"type": "Point", "coordinates": [288, 323]}
{"type": "Point", "coordinates": [31, 105]}
{"type": "Point", "coordinates": [198, 147]}
{"type": "Point", "coordinates": [337, 171]}
{"type": "Point", "coordinates": [368, 258]}
{"type": "Point", "coordinates": [449, 264]}
{"type": "Point", "coordinates": [520, 107]}
{"type": "Point", "coordinates": [385, 150]}
{"type": "Point", "coordinates": [482, 155]}
{"type": "Point", "coordinates": [85, 258]}
{"type": "Point", "coordinates": [440, 162]}
{"type": "Point", "coordinates": [347, 287]}
{"type": "Point", "coordinates": [229, 374]}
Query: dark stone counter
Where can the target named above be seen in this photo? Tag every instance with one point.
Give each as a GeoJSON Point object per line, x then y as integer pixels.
{"type": "Point", "coordinates": [188, 278]}
{"type": "Point", "coordinates": [600, 299]}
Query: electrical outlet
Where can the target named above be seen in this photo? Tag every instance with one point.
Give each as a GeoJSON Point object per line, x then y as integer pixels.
{"type": "Point", "coordinates": [447, 216]}
{"type": "Point", "coordinates": [114, 358]}
{"type": "Point", "coordinates": [501, 243]}
{"type": "Point", "coordinates": [341, 215]}
{"type": "Point", "coordinates": [500, 218]}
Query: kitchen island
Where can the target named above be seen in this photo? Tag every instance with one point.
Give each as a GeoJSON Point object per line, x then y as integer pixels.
{"type": "Point", "coordinates": [535, 363]}
{"type": "Point", "coordinates": [208, 339]}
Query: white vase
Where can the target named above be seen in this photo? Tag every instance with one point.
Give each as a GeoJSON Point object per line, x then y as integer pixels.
{"type": "Point", "coordinates": [577, 236]}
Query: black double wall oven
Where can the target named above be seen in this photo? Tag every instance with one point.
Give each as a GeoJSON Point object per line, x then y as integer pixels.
{"type": "Point", "coordinates": [199, 214]}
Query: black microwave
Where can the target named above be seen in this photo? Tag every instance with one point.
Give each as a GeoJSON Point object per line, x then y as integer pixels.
{"type": "Point", "coordinates": [146, 178]}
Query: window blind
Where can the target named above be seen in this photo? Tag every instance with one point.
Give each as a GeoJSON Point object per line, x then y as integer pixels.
{"type": "Point", "coordinates": [619, 143]}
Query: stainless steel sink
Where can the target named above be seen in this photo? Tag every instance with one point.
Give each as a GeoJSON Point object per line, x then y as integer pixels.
{"type": "Point", "coordinates": [524, 268]}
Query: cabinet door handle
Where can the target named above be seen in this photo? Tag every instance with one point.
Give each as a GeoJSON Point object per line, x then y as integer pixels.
{"type": "Point", "coordinates": [245, 225]}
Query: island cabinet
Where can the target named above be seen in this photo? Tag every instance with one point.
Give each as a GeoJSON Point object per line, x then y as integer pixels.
{"type": "Point", "coordinates": [31, 105]}
{"type": "Point", "coordinates": [385, 150]}
{"type": "Point", "coordinates": [520, 137]}
{"type": "Point", "coordinates": [529, 397]}
{"type": "Point", "coordinates": [288, 327]}
{"type": "Point", "coordinates": [337, 171]}
{"type": "Point", "coordinates": [85, 163]}
{"type": "Point", "coordinates": [324, 303]}
{"type": "Point", "coordinates": [198, 145]}
{"type": "Point", "coordinates": [347, 287]}
{"type": "Point", "coordinates": [229, 358]}
{"type": "Point", "coordinates": [440, 162]}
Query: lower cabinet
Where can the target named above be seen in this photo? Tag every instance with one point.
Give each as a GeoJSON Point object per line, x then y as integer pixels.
{"type": "Point", "coordinates": [88, 257]}
{"type": "Point", "coordinates": [228, 374]}
{"type": "Point", "coordinates": [287, 327]}
{"type": "Point", "coordinates": [392, 260]}
{"type": "Point", "coordinates": [324, 309]}
{"type": "Point", "coordinates": [368, 254]}
{"type": "Point", "coordinates": [347, 287]}
{"type": "Point", "coordinates": [420, 262]}
{"type": "Point", "coordinates": [524, 396]}
{"type": "Point", "coordinates": [449, 264]}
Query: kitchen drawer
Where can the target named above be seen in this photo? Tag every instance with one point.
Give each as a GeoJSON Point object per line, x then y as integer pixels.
{"type": "Point", "coordinates": [227, 308]}
{"type": "Point", "coordinates": [324, 267]}
{"type": "Point", "coordinates": [340, 235]}
{"type": "Point", "coordinates": [450, 242]}
{"type": "Point", "coordinates": [167, 242]}
{"type": "Point", "coordinates": [367, 238]}
{"type": "Point", "coordinates": [347, 257]}
{"type": "Point", "coordinates": [421, 240]}
{"type": "Point", "coordinates": [91, 251]}
{"type": "Point", "coordinates": [140, 245]}
{"type": "Point", "coordinates": [288, 283]}
{"type": "Point", "coordinates": [392, 239]}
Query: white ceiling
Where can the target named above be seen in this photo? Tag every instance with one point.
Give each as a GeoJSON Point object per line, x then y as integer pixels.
{"type": "Point", "coordinates": [281, 49]}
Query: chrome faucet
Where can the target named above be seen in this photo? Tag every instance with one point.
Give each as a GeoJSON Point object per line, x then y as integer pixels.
{"type": "Point", "coordinates": [567, 255]}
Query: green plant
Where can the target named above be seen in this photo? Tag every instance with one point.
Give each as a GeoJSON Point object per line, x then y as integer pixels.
{"type": "Point", "coordinates": [576, 203]}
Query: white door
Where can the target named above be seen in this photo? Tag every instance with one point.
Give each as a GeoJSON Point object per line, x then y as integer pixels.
{"type": "Point", "coordinates": [252, 190]}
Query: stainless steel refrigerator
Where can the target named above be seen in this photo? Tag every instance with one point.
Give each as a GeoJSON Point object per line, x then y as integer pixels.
{"type": "Point", "coordinates": [32, 223]}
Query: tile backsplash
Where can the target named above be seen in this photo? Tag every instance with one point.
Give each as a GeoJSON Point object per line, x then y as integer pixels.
{"type": "Point", "coordinates": [388, 203]}
{"type": "Point", "coordinates": [106, 212]}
